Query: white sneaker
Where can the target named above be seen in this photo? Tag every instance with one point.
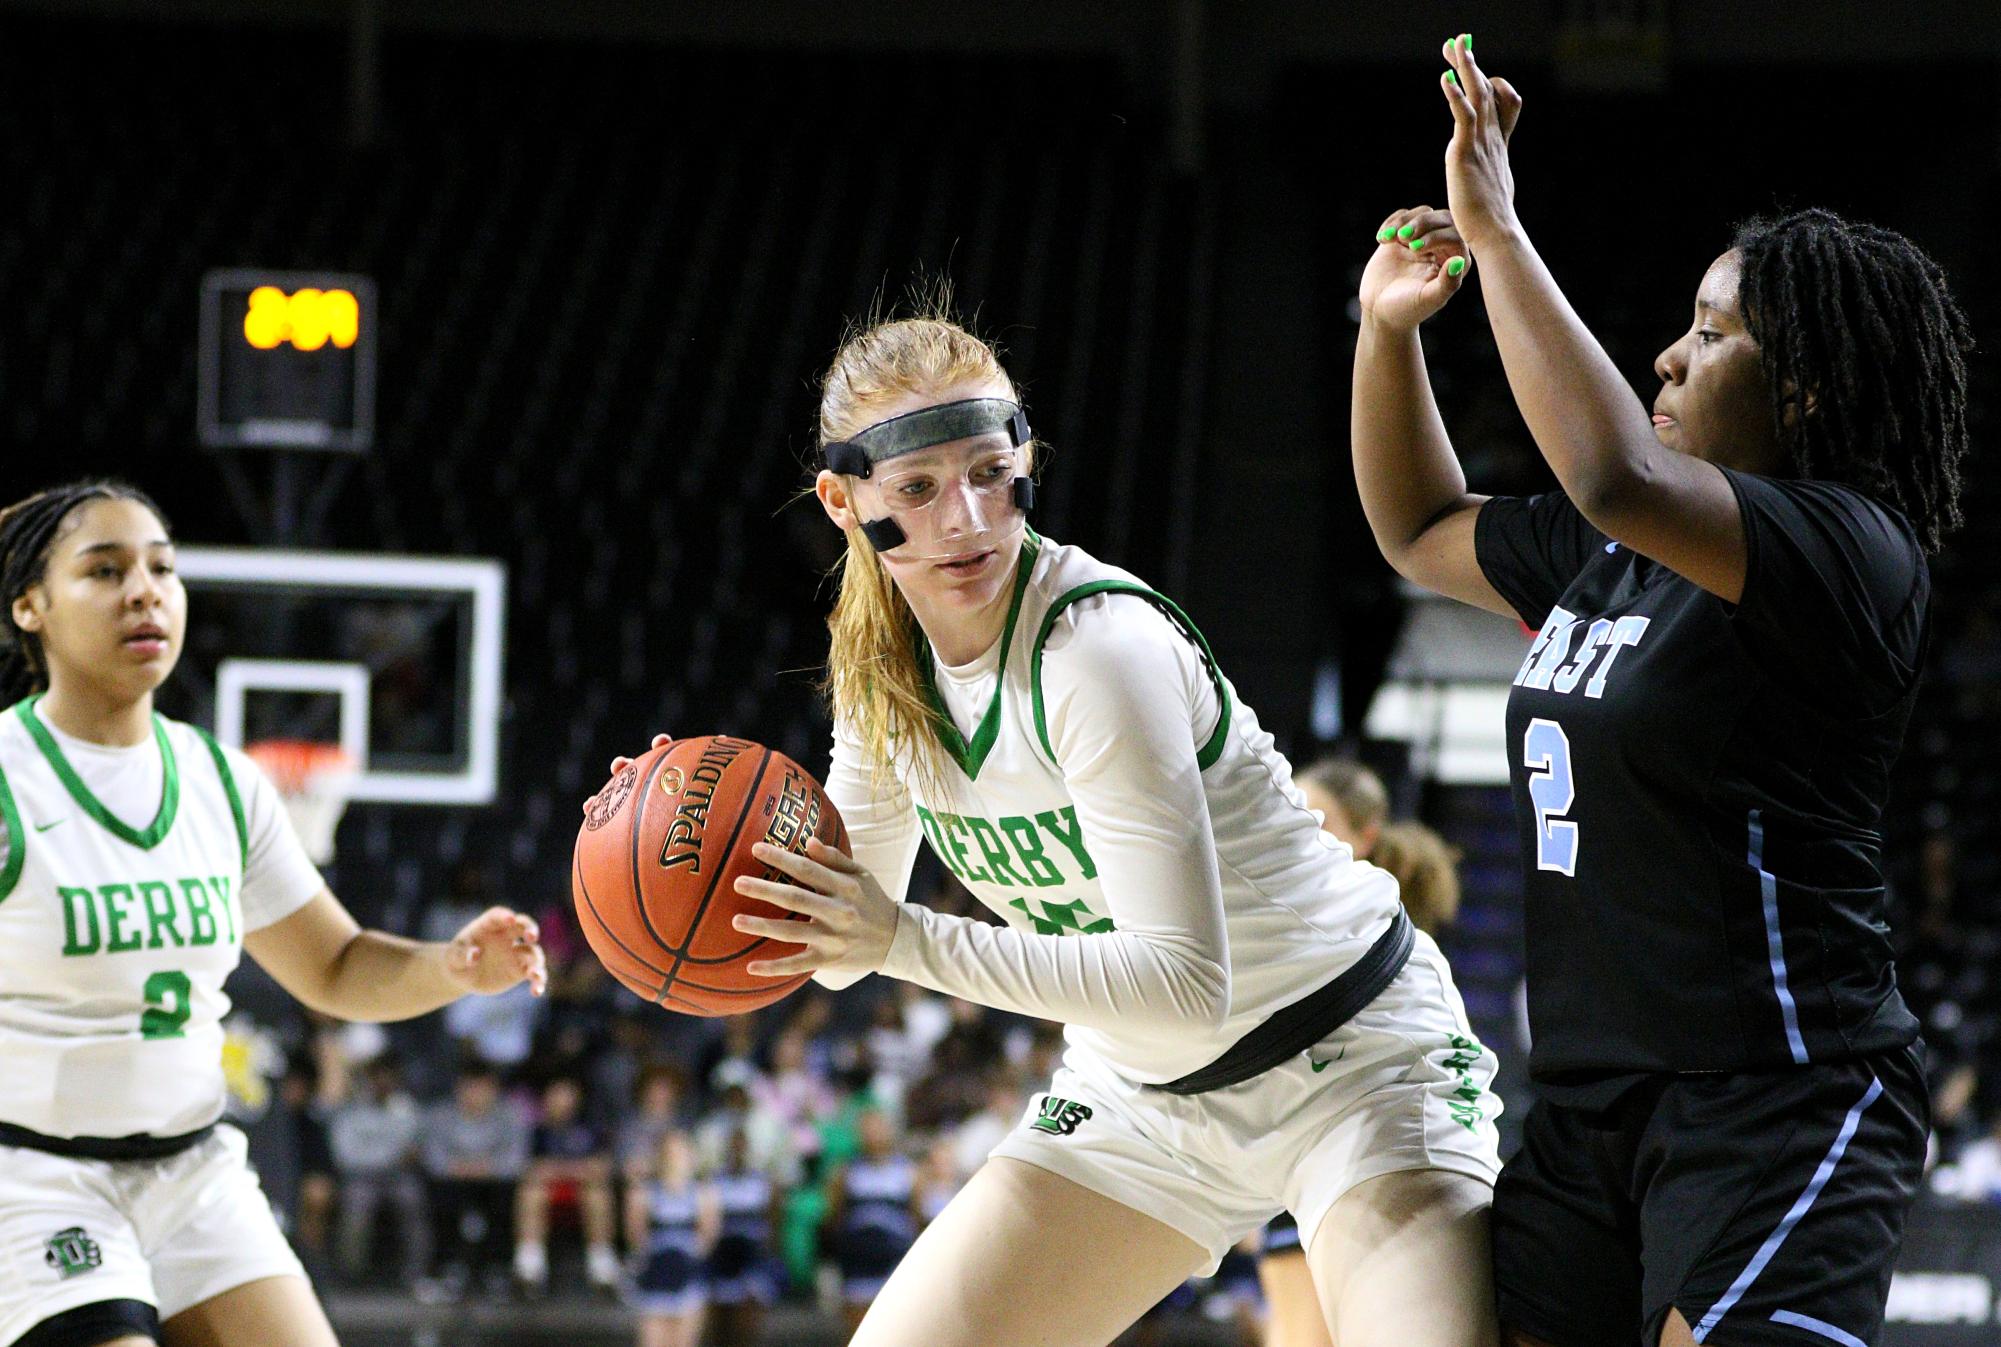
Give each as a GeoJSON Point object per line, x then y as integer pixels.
{"type": "Point", "coordinates": [602, 1265]}
{"type": "Point", "coordinates": [531, 1265]}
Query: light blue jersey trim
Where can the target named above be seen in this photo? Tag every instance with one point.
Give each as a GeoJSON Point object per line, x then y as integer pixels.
{"type": "Point", "coordinates": [1820, 1326]}
{"type": "Point", "coordinates": [1770, 1247]}
{"type": "Point", "coordinates": [1768, 888]}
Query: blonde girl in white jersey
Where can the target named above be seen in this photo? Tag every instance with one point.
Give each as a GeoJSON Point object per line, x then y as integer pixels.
{"type": "Point", "coordinates": [1251, 1023]}
{"type": "Point", "coordinates": [138, 861]}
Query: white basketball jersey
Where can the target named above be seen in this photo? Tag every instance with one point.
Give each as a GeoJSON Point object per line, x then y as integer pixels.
{"type": "Point", "coordinates": [1297, 909]}
{"type": "Point", "coordinates": [116, 933]}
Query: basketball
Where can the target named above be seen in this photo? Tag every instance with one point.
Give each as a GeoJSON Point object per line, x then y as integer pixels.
{"type": "Point", "coordinates": [657, 860]}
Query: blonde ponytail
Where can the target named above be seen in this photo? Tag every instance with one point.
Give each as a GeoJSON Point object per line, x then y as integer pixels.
{"type": "Point", "coordinates": [874, 679]}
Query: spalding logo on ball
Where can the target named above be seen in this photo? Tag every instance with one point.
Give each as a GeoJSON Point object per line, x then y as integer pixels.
{"type": "Point", "coordinates": [658, 857]}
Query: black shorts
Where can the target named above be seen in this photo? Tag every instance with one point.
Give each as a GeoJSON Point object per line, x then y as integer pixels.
{"type": "Point", "coordinates": [1768, 1207]}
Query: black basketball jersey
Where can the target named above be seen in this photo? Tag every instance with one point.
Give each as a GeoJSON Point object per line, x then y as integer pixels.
{"type": "Point", "coordinates": [1698, 786]}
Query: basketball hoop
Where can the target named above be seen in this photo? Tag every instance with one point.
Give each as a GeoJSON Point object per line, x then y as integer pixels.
{"type": "Point", "coordinates": [314, 779]}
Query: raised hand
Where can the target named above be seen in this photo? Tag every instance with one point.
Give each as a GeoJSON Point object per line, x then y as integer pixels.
{"type": "Point", "coordinates": [1419, 264]}
{"type": "Point", "coordinates": [1479, 182]}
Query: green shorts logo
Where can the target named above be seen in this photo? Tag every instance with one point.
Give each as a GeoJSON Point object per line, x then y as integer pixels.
{"type": "Point", "coordinates": [71, 1252]}
{"type": "Point", "coordinates": [1464, 1102]}
{"type": "Point", "coordinates": [1059, 1117]}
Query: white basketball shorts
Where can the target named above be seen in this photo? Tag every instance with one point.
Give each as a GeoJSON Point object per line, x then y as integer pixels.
{"type": "Point", "coordinates": [171, 1232]}
{"type": "Point", "coordinates": [1402, 1086]}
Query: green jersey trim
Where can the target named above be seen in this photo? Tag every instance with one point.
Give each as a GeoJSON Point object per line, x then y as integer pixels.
{"type": "Point", "coordinates": [1212, 749]}
{"type": "Point", "coordinates": [17, 840]}
{"type": "Point", "coordinates": [170, 790]}
{"type": "Point", "coordinates": [229, 789]}
{"type": "Point", "coordinates": [971, 756]}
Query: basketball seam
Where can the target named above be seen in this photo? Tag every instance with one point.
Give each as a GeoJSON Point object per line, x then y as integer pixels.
{"type": "Point", "coordinates": [729, 849]}
{"type": "Point", "coordinates": [638, 888]}
{"type": "Point", "coordinates": [584, 889]}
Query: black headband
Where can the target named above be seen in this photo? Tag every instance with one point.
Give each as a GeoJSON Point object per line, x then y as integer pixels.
{"type": "Point", "coordinates": [906, 434]}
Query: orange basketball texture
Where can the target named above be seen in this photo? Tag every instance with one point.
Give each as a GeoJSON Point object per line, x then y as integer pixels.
{"type": "Point", "coordinates": [658, 857]}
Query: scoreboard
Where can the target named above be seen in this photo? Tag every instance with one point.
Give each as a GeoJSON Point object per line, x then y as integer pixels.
{"type": "Point", "coordinates": [287, 360]}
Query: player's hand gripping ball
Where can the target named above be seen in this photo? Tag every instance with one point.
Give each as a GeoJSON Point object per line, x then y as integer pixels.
{"type": "Point", "coordinates": [661, 862]}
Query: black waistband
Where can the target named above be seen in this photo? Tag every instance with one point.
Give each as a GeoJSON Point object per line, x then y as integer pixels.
{"type": "Point", "coordinates": [1299, 1026]}
{"type": "Point", "coordinates": [103, 1148]}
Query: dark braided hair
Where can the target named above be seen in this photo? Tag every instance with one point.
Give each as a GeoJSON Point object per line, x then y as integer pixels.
{"type": "Point", "coordinates": [1863, 319]}
{"type": "Point", "coordinates": [28, 530]}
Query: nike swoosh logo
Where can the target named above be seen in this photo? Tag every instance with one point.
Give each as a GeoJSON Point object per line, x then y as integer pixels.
{"type": "Point", "coordinates": [44, 827]}
{"type": "Point", "coordinates": [1611, 547]}
{"type": "Point", "coordinates": [1322, 1066]}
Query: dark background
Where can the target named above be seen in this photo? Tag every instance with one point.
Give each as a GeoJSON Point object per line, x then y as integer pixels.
{"type": "Point", "coordinates": [615, 243]}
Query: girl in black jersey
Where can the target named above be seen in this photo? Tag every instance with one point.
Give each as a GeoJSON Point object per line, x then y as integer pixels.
{"type": "Point", "coordinates": [874, 1210]}
{"type": "Point", "coordinates": [1730, 598]}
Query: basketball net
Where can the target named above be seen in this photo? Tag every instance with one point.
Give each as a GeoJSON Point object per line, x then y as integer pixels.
{"type": "Point", "coordinates": [314, 779]}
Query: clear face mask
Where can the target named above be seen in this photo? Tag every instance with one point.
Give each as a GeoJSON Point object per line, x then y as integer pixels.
{"type": "Point", "coordinates": [941, 482]}
{"type": "Point", "coordinates": [947, 502]}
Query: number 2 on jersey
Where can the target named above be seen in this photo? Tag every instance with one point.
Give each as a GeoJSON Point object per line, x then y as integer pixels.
{"type": "Point", "coordinates": [169, 999]}
{"type": "Point", "coordinates": [1546, 755]}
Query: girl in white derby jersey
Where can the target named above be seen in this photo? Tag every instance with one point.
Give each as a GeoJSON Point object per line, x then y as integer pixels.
{"type": "Point", "coordinates": [139, 860]}
{"type": "Point", "coordinates": [1252, 1023]}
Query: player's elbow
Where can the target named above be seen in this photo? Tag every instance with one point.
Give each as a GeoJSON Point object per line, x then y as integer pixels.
{"type": "Point", "coordinates": [1203, 994]}
{"type": "Point", "coordinates": [1614, 493]}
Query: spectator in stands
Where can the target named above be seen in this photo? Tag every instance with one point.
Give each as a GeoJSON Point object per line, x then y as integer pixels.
{"type": "Point", "coordinates": [498, 1030]}
{"type": "Point", "coordinates": [794, 1094]}
{"type": "Point", "coordinates": [938, 1177]}
{"type": "Point", "coordinates": [955, 1087]}
{"type": "Point", "coordinates": [374, 1137]}
{"type": "Point", "coordinates": [1426, 867]}
{"type": "Point", "coordinates": [743, 1272]}
{"type": "Point", "coordinates": [475, 1150]}
{"type": "Point", "coordinates": [894, 1056]}
{"type": "Point", "coordinates": [1976, 1176]}
{"type": "Point", "coordinates": [570, 1168]}
{"type": "Point", "coordinates": [572, 1028]}
{"type": "Point", "coordinates": [1352, 802]}
{"type": "Point", "coordinates": [874, 1211]}
{"type": "Point", "coordinates": [656, 1112]}
{"type": "Point", "coordinates": [730, 1058]}
{"type": "Point", "coordinates": [671, 1223]}
{"type": "Point", "coordinates": [1002, 1108]}
{"type": "Point", "coordinates": [736, 1116]}
{"type": "Point", "coordinates": [298, 1097]}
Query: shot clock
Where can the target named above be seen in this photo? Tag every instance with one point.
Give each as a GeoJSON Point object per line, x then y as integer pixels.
{"type": "Point", "coordinates": [287, 360]}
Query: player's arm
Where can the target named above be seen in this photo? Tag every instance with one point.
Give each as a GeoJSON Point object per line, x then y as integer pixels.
{"type": "Point", "coordinates": [635, 1218]}
{"type": "Point", "coordinates": [1596, 434]}
{"type": "Point", "coordinates": [1120, 717]}
{"type": "Point", "coordinates": [1410, 482]}
{"type": "Point", "coordinates": [837, 1198]}
{"type": "Point", "coordinates": [883, 833]}
{"type": "Point", "coordinates": [322, 956]}
{"type": "Point", "coordinates": [708, 1217]}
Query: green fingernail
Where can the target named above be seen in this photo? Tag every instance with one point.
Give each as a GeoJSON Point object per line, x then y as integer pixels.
{"type": "Point", "coordinates": [1465, 42]}
{"type": "Point", "coordinates": [1455, 266]}
{"type": "Point", "coordinates": [1406, 231]}
{"type": "Point", "coordinates": [1384, 234]}
{"type": "Point", "coordinates": [1417, 244]}
{"type": "Point", "coordinates": [1452, 78]}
